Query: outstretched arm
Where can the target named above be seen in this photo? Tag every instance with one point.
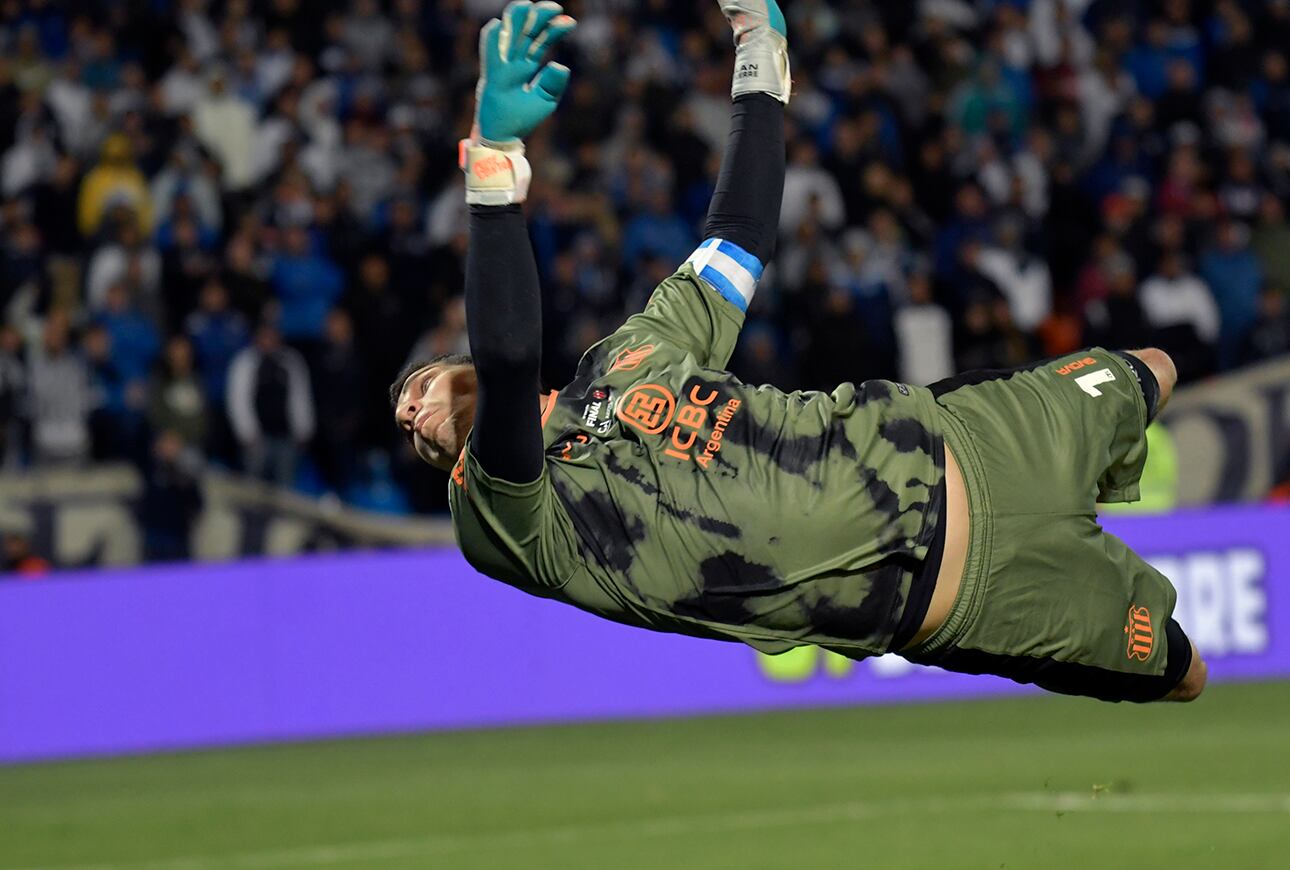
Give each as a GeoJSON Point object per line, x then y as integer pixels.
{"type": "Point", "coordinates": [703, 318]}
{"type": "Point", "coordinates": [743, 218]}
{"type": "Point", "coordinates": [745, 207]}
{"type": "Point", "coordinates": [517, 91]}
{"type": "Point", "coordinates": [504, 321]}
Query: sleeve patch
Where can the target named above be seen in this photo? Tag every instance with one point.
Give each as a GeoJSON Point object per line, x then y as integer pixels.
{"type": "Point", "coordinates": [728, 269]}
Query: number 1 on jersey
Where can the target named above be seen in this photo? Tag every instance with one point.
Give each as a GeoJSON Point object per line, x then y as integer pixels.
{"type": "Point", "coordinates": [1088, 383]}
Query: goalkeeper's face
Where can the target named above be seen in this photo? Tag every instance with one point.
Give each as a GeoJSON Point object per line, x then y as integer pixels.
{"type": "Point", "coordinates": [434, 410]}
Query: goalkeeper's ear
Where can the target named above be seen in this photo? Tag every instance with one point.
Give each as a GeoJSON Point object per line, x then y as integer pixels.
{"type": "Point", "coordinates": [552, 81]}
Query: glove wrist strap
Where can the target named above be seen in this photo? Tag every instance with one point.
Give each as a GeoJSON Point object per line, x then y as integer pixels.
{"type": "Point", "coordinates": [761, 65]}
{"type": "Point", "coordinates": [497, 173]}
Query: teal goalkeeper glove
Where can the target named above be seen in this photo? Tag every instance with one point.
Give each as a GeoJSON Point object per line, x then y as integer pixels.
{"type": "Point", "coordinates": [517, 91]}
{"type": "Point", "coordinates": [761, 48]}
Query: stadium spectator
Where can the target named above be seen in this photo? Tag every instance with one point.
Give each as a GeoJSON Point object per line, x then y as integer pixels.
{"type": "Point", "coordinates": [989, 338]}
{"type": "Point", "coordinates": [989, 102]}
{"type": "Point", "coordinates": [761, 356]}
{"type": "Point", "coordinates": [1270, 241]}
{"type": "Point", "coordinates": [176, 401]}
{"type": "Point", "coordinates": [29, 161]}
{"type": "Point", "coordinates": [446, 337]}
{"type": "Point", "coordinates": [338, 382]}
{"type": "Point", "coordinates": [1234, 274]}
{"type": "Point", "coordinates": [270, 406]}
{"type": "Point", "coordinates": [114, 183]}
{"type": "Point", "coordinates": [243, 277]}
{"type": "Point", "coordinates": [307, 284]}
{"type": "Point", "coordinates": [125, 259]}
{"type": "Point", "coordinates": [182, 86]}
{"type": "Point", "coordinates": [924, 335]}
{"type": "Point", "coordinates": [1116, 318]}
{"type": "Point", "coordinates": [968, 182]}
{"type": "Point", "coordinates": [368, 35]}
{"type": "Point", "coordinates": [53, 202]}
{"type": "Point", "coordinates": [1148, 61]}
{"type": "Point", "coordinates": [838, 347]}
{"type": "Point", "coordinates": [968, 223]}
{"type": "Point", "coordinates": [369, 168]}
{"type": "Point", "coordinates": [1272, 93]}
{"type": "Point", "coordinates": [60, 398]}
{"type": "Point", "coordinates": [383, 330]}
{"type": "Point", "coordinates": [18, 559]}
{"type": "Point", "coordinates": [809, 189]}
{"type": "Point", "coordinates": [658, 230]}
{"type": "Point", "coordinates": [374, 487]}
{"type": "Point", "coordinates": [217, 333]}
{"type": "Point", "coordinates": [172, 498]}
{"type": "Point", "coordinates": [187, 263]}
{"type": "Point", "coordinates": [1270, 335]}
{"type": "Point", "coordinates": [118, 402]}
{"type": "Point", "coordinates": [1240, 194]}
{"type": "Point", "coordinates": [1182, 313]}
{"type": "Point", "coordinates": [188, 174]}
{"type": "Point", "coordinates": [134, 337]}
{"type": "Point", "coordinates": [21, 281]}
{"type": "Point", "coordinates": [225, 124]}
{"type": "Point", "coordinates": [13, 390]}
{"type": "Point", "coordinates": [1022, 278]}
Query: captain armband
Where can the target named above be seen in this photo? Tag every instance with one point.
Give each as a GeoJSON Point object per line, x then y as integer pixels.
{"type": "Point", "coordinates": [728, 269]}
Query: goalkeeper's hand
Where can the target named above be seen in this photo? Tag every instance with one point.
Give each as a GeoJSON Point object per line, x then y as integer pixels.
{"type": "Point", "coordinates": [517, 91]}
{"type": "Point", "coordinates": [761, 48]}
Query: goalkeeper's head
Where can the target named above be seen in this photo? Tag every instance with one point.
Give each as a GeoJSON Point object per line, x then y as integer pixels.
{"type": "Point", "coordinates": [434, 406]}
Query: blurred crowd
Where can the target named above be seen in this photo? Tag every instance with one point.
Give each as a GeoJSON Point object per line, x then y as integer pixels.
{"type": "Point", "coordinates": [227, 224]}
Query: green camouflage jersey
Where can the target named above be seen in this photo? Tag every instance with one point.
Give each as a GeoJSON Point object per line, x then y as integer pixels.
{"type": "Point", "coordinates": [676, 498]}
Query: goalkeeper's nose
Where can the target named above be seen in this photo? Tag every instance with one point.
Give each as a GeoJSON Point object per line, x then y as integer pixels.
{"type": "Point", "coordinates": [406, 414]}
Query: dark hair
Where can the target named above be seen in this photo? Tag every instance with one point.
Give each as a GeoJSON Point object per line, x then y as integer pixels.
{"type": "Point", "coordinates": [450, 359]}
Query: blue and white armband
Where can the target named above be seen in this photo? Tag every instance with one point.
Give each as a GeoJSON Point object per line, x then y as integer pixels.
{"type": "Point", "coordinates": [728, 269]}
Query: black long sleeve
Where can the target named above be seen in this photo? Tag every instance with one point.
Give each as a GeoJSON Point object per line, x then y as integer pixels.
{"type": "Point", "coordinates": [504, 302]}
{"type": "Point", "coordinates": [750, 190]}
{"type": "Point", "coordinates": [504, 321]}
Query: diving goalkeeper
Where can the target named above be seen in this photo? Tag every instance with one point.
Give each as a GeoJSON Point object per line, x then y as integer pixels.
{"type": "Point", "coordinates": [954, 524]}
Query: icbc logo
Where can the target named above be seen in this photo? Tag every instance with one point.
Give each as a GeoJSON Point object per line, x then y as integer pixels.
{"type": "Point", "coordinates": [689, 422]}
{"type": "Point", "coordinates": [650, 408]}
{"type": "Point", "coordinates": [647, 408]}
{"type": "Point", "coordinates": [630, 359]}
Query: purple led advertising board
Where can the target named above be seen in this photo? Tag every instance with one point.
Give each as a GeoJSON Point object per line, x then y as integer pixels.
{"type": "Point", "coordinates": [187, 656]}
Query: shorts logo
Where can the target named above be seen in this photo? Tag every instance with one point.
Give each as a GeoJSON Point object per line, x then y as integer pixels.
{"type": "Point", "coordinates": [647, 408]}
{"type": "Point", "coordinates": [1077, 365]}
{"type": "Point", "coordinates": [1138, 629]}
{"type": "Point", "coordinates": [459, 470]}
{"type": "Point", "coordinates": [630, 359]}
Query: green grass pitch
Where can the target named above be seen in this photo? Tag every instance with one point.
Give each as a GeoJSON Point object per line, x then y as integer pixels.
{"type": "Point", "coordinates": [1037, 782]}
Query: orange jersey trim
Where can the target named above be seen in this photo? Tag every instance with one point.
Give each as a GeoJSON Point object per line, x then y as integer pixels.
{"type": "Point", "coordinates": [550, 406]}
